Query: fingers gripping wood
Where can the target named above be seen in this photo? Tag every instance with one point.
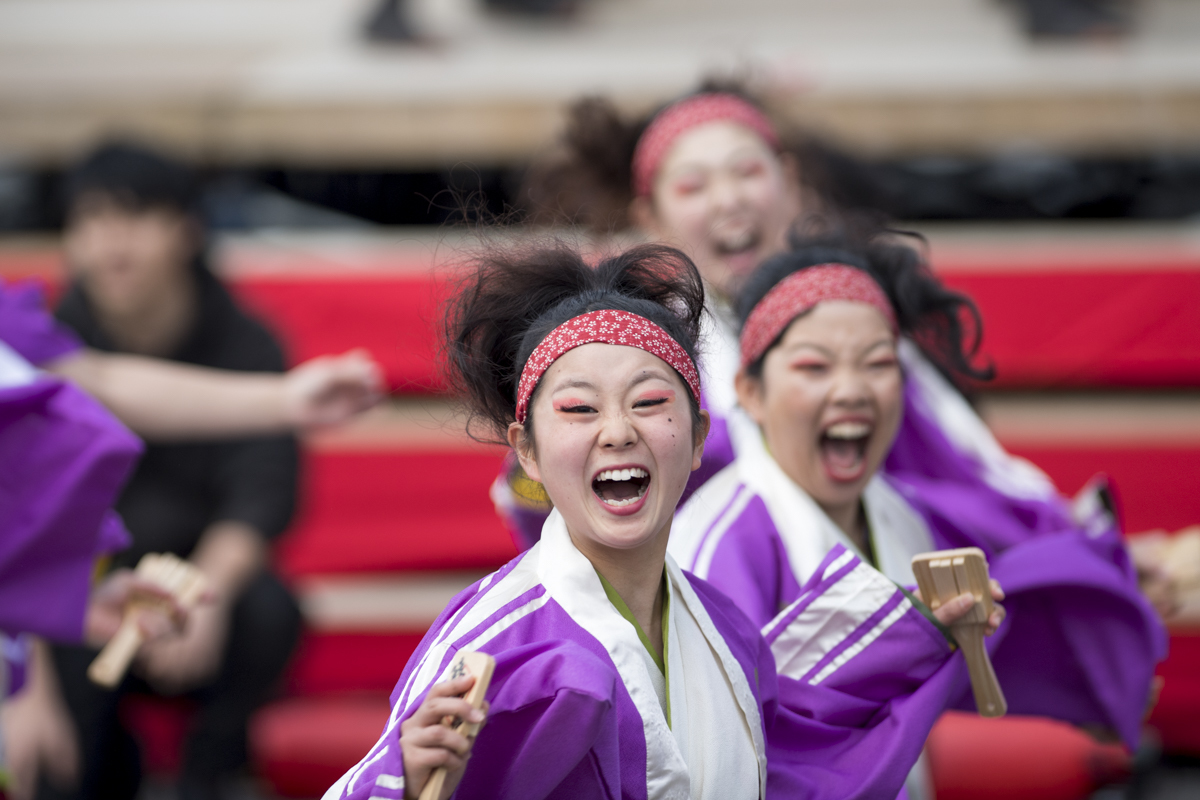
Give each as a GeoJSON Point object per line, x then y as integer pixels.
{"type": "Point", "coordinates": [481, 665]}
{"type": "Point", "coordinates": [183, 581]}
{"type": "Point", "coordinates": [943, 576]}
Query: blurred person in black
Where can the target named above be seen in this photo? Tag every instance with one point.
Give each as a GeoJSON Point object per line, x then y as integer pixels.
{"type": "Point", "coordinates": [134, 249]}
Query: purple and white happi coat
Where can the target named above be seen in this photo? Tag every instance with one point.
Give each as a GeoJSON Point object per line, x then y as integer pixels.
{"type": "Point", "coordinates": [1080, 642]}
{"type": "Point", "coordinates": [575, 712]}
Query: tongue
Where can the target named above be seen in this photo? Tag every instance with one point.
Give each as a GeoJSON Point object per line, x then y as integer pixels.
{"type": "Point", "coordinates": [618, 490]}
{"type": "Point", "coordinates": [843, 457]}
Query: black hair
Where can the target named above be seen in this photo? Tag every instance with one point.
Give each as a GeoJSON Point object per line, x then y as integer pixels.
{"type": "Point", "coordinates": [587, 179]}
{"type": "Point", "coordinates": [134, 176]}
{"type": "Point", "coordinates": [944, 323]}
{"type": "Point", "coordinates": [514, 297]}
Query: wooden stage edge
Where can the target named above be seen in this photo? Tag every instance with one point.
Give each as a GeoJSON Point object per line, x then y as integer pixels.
{"type": "Point", "coordinates": [1092, 246]}
{"type": "Point", "coordinates": [423, 134]}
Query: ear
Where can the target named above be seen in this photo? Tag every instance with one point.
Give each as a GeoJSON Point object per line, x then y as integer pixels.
{"type": "Point", "coordinates": [750, 395]}
{"type": "Point", "coordinates": [525, 455]}
{"type": "Point", "coordinates": [194, 231]}
{"type": "Point", "coordinates": [791, 170]}
{"type": "Point", "coordinates": [701, 435]}
{"type": "Point", "coordinates": [641, 213]}
{"type": "Point", "coordinates": [804, 201]}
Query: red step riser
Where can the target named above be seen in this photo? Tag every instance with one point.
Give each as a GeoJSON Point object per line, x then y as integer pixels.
{"type": "Point", "coordinates": [393, 511]}
{"type": "Point", "coordinates": [1047, 328]}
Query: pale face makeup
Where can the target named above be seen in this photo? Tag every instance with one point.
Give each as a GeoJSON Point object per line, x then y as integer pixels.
{"type": "Point", "coordinates": [127, 259]}
{"type": "Point", "coordinates": [614, 447]}
{"type": "Point", "coordinates": [724, 197]}
{"type": "Point", "coordinates": [829, 402]}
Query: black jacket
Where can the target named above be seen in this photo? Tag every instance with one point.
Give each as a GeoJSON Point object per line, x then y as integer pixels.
{"type": "Point", "coordinates": [178, 490]}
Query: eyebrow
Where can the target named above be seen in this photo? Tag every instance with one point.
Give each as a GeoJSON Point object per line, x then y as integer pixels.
{"type": "Point", "coordinates": [580, 383]}
{"type": "Point", "coordinates": [692, 165]}
{"type": "Point", "coordinates": [647, 375]}
{"type": "Point", "coordinates": [575, 383]}
{"type": "Point", "coordinates": [829, 352]}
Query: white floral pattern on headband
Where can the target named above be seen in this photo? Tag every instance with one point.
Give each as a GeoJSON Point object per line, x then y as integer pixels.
{"type": "Point", "coordinates": [607, 326]}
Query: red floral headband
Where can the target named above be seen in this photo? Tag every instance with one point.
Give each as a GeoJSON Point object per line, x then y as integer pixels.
{"type": "Point", "coordinates": [609, 327]}
{"type": "Point", "coordinates": [799, 292]}
{"type": "Point", "coordinates": [674, 120]}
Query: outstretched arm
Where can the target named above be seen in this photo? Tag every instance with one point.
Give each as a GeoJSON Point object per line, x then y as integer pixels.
{"type": "Point", "coordinates": [161, 400]}
{"type": "Point", "coordinates": [862, 677]}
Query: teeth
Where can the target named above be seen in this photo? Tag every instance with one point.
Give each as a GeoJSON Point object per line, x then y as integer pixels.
{"type": "Point", "coordinates": [848, 430]}
{"type": "Point", "coordinates": [622, 474]}
{"type": "Point", "coordinates": [621, 503]}
{"type": "Point", "coordinates": [737, 242]}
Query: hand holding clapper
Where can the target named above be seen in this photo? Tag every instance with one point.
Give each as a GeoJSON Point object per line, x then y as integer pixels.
{"type": "Point", "coordinates": [175, 576]}
{"type": "Point", "coordinates": [945, 575]}
{"type": "Point", "coordinates": [481, 665]}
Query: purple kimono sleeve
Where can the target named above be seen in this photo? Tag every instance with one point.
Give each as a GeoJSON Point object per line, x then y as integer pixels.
{"type": "Point", "coordinates": [863, 676]}
{"type": "Point", "coordinates": [561, 724]}
{"type": "Point", "coordinates": [553, 729]}
{"type": "Point", "coordinates": [854, 722]}
{"type": "Point", "coordinates": [552, 732]}
{"type": "Point", "coordinates": [63, 459]}
{"type": "Point", "coordinates": [28, 328]}
{"type": "Point", "coordinates": [1080, 642]}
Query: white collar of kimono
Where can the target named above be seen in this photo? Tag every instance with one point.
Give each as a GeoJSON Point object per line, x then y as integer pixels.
{"type": "Point", "coordinates": [14, 370]}
{"type": "Point", "coordinates": [808, 534]}
{"type": "Point", "coordinates": [703, 757]}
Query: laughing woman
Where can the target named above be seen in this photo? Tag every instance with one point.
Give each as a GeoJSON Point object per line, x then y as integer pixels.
{"type": "Point", "coordinates": [617, 674]}
{"type": "Point", "coordinates": [835, 389]}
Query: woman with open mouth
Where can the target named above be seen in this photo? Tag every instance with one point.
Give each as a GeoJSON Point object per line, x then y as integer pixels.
{"type": "Point", "coordinates": [617, 674]}
{"type": "Point", "coordinates": [834, 390]}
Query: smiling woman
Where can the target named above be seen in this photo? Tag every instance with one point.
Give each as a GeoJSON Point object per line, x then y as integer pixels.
{"type": "Point", "coordinates": [617, 674]}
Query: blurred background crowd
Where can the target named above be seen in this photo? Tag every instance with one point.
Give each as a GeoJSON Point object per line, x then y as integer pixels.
{"type": "Point", "coordinates": [245, 184]}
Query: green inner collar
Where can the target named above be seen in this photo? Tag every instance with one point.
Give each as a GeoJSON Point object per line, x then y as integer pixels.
{"type": "Point", "coordinates": [660, 661]}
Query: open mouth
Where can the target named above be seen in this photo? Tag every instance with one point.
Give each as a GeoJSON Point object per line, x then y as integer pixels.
{"type": "Point", "coordinates": [736, 243]}
{"type": "Point", "coordinates": [844, 449]}
{"type": "Point", "coordinates": [619, 488]}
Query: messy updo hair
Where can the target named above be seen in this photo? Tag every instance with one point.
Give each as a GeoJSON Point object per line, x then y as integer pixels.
{"type": "Point", "coordinates": [513, 298]}
{"type": "Point", "coordinates": [944, 323]}
{"type": "Point", "coordinates": [587, 180]}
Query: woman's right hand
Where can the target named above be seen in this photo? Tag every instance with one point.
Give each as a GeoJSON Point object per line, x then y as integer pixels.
{"type": "Point", "coordinates": [426, 743]}
{"type": "Point", "coordinates": [160, 614]}
{"type": "Point", "coordinates": [950, 612]}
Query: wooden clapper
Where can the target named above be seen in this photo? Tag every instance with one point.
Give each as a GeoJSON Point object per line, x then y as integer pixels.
{"type": "Point", "coordinates": [943, 576]}
{"type": "Point", "coordinates": [186, 583]}
{"type": "Point", "coordinates": [481, 665]}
